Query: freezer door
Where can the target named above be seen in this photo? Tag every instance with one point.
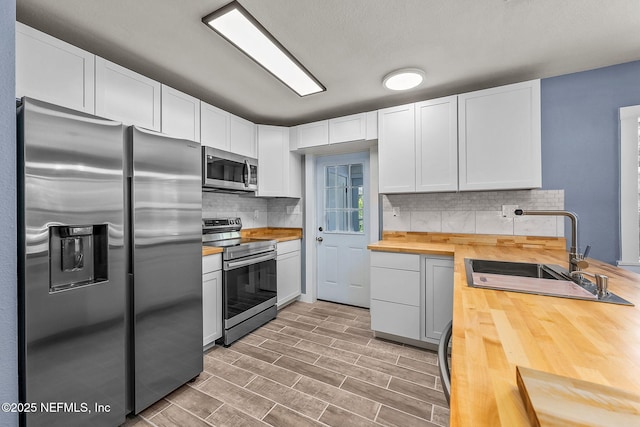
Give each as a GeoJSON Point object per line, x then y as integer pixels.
{"type": "Point", "coordinates": [72, 267]}
{"type": "Point", "coordinates": [166, 199]}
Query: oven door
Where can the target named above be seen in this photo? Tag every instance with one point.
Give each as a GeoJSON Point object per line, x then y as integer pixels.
{"type": "Point", "coordinates": [250, 286]}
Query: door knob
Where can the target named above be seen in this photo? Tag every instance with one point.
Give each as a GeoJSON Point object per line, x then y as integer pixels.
{"type": "Point", "coordinates": [319, 239]}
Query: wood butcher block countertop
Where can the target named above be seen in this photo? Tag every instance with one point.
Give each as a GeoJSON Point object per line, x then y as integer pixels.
{"type": "Point", "coordinates": [210, 250]}
{"type": "Point", "coordinates": [495, 331]}
{"type": "Point", "coordinates": [267, 233]}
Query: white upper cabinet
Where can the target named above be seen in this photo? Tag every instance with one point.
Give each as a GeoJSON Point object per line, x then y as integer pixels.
{"type": "Point", "coordinates": [312, 134]}
{"type": "Point", "coordinates": [180, 114]}
{"type": "Point", "coordinates": [224, 131]}
{"type": "Point", "coordinates": [242, 136]}
{"type": "Point", "coordinates": [499, 138]}
{"type": "Point", "coordinates": [348, 128]}
{"type": "Point", "coordinates": [356, 127]}
{"type": "Point", "coordinates": [54, 71]}
{"type": "Point", "coordinates": [396, 149]}
{"type": "Point", "coordinates": [279, 170]}
{"type": "Point", "coordinates": [126, 96]}
{"type": "Point", "coordinates": [214, 127]}
{"type": "Point", "coordinates": [437, 145]}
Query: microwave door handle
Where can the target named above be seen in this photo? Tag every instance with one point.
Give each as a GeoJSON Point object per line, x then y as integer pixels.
{"type": "Point", "coordinates": [247, 173]}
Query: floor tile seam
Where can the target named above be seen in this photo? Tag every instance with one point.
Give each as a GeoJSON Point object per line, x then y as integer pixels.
{"type": "Point", "coordinates": [343, 391]}
{"type": "Point", "coordinates": [413, 369]}
{"type": "Point", "coordinates": [262, 349]}
{"type": "Point", "coordinates": [429, 402]}
{"type": "Point", "coordinates": [373, 420]}
{"type": "Point", "coordinates": [253, 374]}
{"type": "Point", "coordinates": [300, 413]}
{"type": "Point", "coordinates": [351, 376]}
{"type": "Point", "coordinates": [379, 403]}
{"type": "Point", "coordinates": [149, 418]}
{"type": "Point", "coordinates": [435, 363]}
{"type": "Point", "coordinates": [195, 415]}
{"type": "Point", "coordinates": [414, 415]}
{"type": "Point", "coordinates": [434, 388]}
{"type": "Point", "coordinates": [392, 406]}
{"type": "Point", "coordinates": [293, 389]}
{"type": "Point", "coordinates": [346, 333]}
{"type": "Point", "coordinates": [419, 384]}
{"type": "Point", "coordinates": [243, 388]}
{"type": "Point", "coordinates": [398, 366]}
{"type": "Point", "coordinates": [310, 351]}
{"type": "Point", "coordinates": [237, 409]}
{"type": "Point", "coordinates": [281, 343]}
{"type": "Point", "coordinates": [330, 347]}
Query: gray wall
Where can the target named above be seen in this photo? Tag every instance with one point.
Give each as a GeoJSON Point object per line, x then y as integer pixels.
{"type": "Point", "coordinates": [580, 148]}
{"type": "Point", "coordinates": [8, 249]}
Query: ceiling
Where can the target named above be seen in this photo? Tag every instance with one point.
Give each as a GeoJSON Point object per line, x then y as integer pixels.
{"type": "Point", "coordinates": [349, 45]}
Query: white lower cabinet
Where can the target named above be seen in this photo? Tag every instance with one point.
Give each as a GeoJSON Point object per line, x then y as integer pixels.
{"type": "Point", "coordinates": [437, 297]}
{"type": "Point", "coordinates": [211, 299]}
{"type": "Point", "coordinates": [395, 294]}
{"type": "Point", "coordinates": [411, 295]}
{"type": "Point", "coordinates": [289, 268]}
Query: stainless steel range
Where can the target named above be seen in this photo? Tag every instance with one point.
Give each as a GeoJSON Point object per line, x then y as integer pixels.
{"type": "Point", "coordinates": [248, 277]}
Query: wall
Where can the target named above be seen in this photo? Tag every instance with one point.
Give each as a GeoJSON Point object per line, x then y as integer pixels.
{"type": "Point", "coordinates": [580, 148]}
{"type": "Point", "coordinates": [8, 249]}
{"type": "Point", "coordinates": [473, 212]}
{"type": "Point", "coordinates": [255, 212]}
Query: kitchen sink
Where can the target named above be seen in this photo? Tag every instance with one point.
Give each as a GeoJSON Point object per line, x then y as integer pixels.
{"type": "Point", "coordinates": [521, 269]}
{"type": "Point", "coordinates": [533, 278]}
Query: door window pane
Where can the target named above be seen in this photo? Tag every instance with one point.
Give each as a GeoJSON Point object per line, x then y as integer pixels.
{"type": "Point", "coordinates": [344, 198]}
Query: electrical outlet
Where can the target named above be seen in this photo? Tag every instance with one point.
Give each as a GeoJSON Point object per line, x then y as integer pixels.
{"type": "Point", "coordinates": [507, 211]}
{"type": "Point", "coordinates": [396, 211]}
{"type": "Point", "coordinates": [256, 214]}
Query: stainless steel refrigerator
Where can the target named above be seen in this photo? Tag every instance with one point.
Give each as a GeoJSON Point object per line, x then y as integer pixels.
{"type": "Point", "coordinates": [109, 216]}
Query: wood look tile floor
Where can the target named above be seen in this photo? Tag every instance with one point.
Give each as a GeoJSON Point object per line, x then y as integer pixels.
{"type": "Point", "coordinates": [315, 365]}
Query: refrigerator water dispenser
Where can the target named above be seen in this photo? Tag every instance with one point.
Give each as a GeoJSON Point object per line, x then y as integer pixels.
{"type": "Point", "coordinates": [77, 256]}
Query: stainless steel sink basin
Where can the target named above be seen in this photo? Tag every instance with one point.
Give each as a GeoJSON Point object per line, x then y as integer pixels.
{"type": "Point", "coordinates": [521, 269]}
{"type": "Point", "coordinates": [547, 273]}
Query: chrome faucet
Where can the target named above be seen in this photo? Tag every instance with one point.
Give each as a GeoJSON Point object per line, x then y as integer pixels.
{"type": "Point", "coordinates": [577, 261]}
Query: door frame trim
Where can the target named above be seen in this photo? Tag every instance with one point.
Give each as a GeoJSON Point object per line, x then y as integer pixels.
{"type": "Point", "coordinates": [310, 222]}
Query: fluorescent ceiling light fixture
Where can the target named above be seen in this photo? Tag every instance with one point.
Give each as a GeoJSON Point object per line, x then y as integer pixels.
{"type": "Point", "coordinates": [404, 79]}
{"type": "Point", "coordinates": [243, 31]}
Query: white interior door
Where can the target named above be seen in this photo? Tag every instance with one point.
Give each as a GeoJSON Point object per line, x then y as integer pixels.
{"type": "Point", "coordinates": [343, 225]}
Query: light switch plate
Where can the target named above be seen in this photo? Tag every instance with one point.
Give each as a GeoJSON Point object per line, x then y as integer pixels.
{"type": "Point", "coordinates": [507, 211]}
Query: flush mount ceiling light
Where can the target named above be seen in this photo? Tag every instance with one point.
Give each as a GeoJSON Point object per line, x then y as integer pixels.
{"type": "Point", "coordinates": [404, 79]}
{"type": "Point", "coordinates": [243, 31]}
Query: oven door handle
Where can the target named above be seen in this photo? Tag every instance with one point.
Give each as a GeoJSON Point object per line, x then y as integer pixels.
{"type": "Point", "coordinates": [232, 265]}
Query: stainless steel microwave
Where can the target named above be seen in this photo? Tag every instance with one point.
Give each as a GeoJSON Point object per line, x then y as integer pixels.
{"type": "Point", "coordinates": [228, 172]}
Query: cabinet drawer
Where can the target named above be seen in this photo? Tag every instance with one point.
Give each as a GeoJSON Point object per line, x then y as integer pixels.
{"type": "Point", "coordinates": [396, 319]}
{"type": "Point", "coordinates": [211, 263]}
{"type": "Point", "coordinates": [398, 286]}
{"type": "Point", "coordinates": [289, 246]}
{"type": "Point", "coordinates": [395, 260]}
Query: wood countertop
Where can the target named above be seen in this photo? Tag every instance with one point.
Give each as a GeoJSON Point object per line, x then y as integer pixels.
{"type": "Point", "coordinates": [267, 233]}
{"type": "Point", "coordinates": [495, 331]}
{"type": "Point", "coordinates": [210, 250]}
{"type": "Point", "coordinates": [279, 234]}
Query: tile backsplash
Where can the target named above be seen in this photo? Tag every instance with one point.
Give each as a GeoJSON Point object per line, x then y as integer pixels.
{"type": "Point", "coordinates": [473, 212]}
{"type": "Point", "coordinates": [254, 212]}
